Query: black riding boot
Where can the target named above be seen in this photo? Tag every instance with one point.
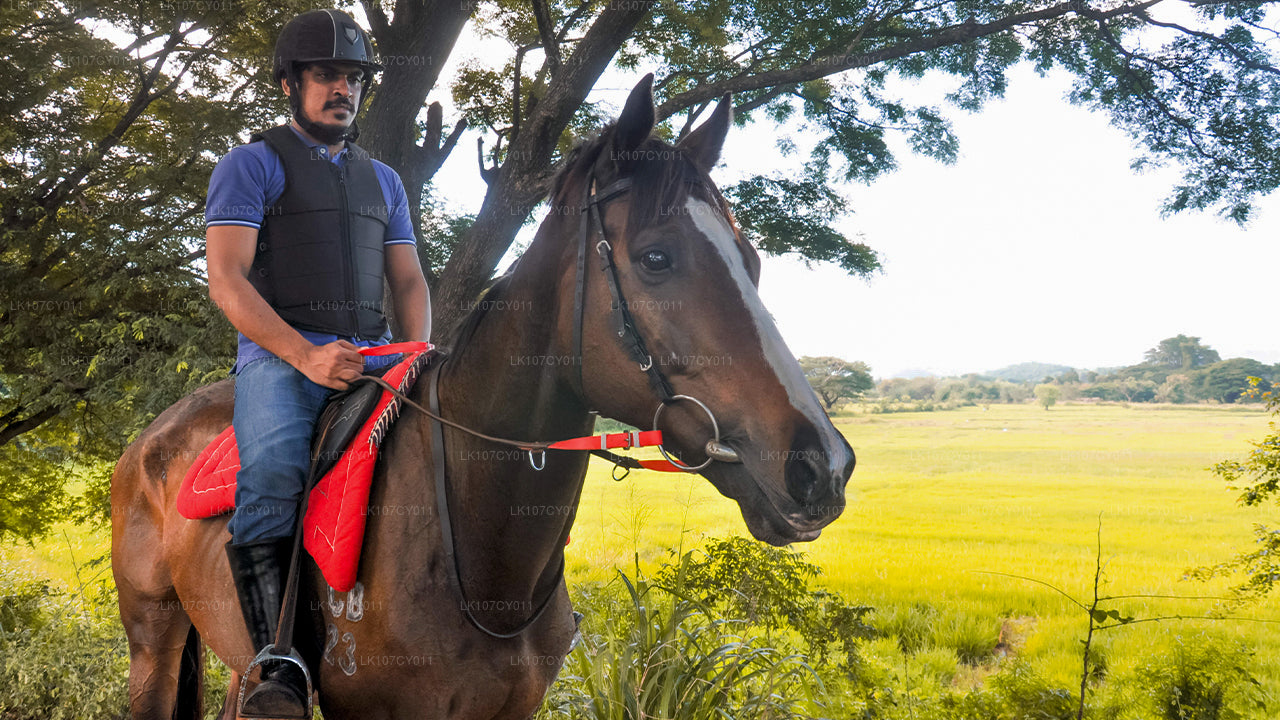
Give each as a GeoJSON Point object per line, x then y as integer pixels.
{"type": "Point", "coordinates": [259, 572]}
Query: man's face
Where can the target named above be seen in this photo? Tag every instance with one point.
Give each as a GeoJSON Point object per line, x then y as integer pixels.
{"type": "Point", "coordinates": [330, 93]}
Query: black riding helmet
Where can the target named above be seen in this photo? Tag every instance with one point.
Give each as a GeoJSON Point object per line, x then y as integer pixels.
{"type": "Point", "coordinates": [318, 36]}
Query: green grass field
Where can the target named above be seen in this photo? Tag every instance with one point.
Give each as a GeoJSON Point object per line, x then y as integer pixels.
{"type": "Point", "coordinates": [942, 499]}
{"type": "Point", "coordinates": [939, 499]}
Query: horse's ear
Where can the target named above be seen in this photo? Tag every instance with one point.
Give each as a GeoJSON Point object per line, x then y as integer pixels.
{"type": "Point", "coordinates": [636, 121]}
{"type": "Point", "coordinates": [703, 145]}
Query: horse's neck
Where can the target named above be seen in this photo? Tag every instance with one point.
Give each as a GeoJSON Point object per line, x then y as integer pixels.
{"type": "Point", "coordinates": [512, 379]}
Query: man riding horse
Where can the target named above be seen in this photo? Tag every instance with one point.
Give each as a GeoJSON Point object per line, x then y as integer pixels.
{"type": "Point", "coordinates": [303, 227]}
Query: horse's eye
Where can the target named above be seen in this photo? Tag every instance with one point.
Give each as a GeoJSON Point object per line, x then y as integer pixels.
{"type": "Point", "coordinates": [655, 261]}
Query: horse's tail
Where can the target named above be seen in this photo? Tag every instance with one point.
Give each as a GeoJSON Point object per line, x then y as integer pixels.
{"type": "Point", "coordinates": [190, 704]}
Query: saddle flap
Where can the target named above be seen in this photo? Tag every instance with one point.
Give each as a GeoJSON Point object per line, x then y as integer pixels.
{"type": "Point", "coordinates": [339, 422]}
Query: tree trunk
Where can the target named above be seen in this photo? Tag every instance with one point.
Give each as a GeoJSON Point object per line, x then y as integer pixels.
{"type": "Point", "coordinates": [413, 48]}
{"type": "Point", "coordinates": [522, 179]}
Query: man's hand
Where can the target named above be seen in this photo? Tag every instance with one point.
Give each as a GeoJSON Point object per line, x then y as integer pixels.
{"type": "Point", "coordinates": [333, 365]}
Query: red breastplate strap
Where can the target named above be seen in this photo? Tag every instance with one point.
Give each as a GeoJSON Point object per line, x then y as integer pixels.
{"type": "Point", "coordinates": [610, 441]}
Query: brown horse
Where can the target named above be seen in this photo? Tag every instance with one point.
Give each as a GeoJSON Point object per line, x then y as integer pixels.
{"type": "Point", "coordinates": [400, 645]}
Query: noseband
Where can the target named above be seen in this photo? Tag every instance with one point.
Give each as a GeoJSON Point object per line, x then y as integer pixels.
{"type": "Point", "coordinates": [625, 323]}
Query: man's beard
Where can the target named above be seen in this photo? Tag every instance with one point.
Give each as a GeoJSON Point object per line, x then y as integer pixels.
{"type": "Point", "coordinates": [329, 134]}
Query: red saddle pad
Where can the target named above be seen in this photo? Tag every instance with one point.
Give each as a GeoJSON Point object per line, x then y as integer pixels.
{"type": "Point", "coordinates": [333, 527]}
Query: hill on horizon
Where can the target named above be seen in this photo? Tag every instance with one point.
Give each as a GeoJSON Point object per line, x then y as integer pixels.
{"type": "Point", "coordinates": [1028, 372]}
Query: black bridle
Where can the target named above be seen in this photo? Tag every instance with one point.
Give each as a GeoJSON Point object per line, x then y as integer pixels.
{"type": "Point", "coordinates": [592, 224]}
{"type": "Point", "coordinates": [622, 318]}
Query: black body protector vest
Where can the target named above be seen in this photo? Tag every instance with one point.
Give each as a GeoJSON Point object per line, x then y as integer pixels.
{"type": "Point", "coordinates": [319, 262]}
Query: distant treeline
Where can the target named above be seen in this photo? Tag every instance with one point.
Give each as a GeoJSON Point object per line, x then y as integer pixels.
{"type": "Point", "coordinates": [1178, 370]}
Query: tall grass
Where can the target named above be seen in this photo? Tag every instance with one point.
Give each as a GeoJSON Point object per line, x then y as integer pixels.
{"type": "Point", "coordinates": [62, 653]}
{"type": "Point", "coordinates": [657, 653]}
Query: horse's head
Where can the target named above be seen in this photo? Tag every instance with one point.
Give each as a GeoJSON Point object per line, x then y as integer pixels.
{"type": "Point", "coordinates": [689, 279]}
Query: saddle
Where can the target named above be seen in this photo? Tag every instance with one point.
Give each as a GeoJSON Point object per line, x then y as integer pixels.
{"type": "Point", "coordinates": [348, 434]}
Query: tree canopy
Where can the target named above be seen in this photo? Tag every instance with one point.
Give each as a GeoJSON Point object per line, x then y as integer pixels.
{"type": "Point", "coordinates": [1047, 395]}
{"type": "Point", "coordinates": [116, 111]}
{"type": "Point", "coordinates": [834, 379]}
{"type": "Point", "coordinates": [1181, 353]}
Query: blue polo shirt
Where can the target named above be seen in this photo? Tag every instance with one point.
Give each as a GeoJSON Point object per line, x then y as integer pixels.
{"type": "Point", "coordinates": [250, 179]}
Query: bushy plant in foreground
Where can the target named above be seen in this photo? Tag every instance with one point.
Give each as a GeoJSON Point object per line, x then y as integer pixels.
{"type": "Point", "coordinates": [1016, 693]}
{"type": "Point", "coordinates": [665, 655]}
{"type": "Point", "coordinates": [62, 656]}
{"type": "Point", "coordinates": [1201, 680]}
{"type": "Point", "coordinates": [770, 587]}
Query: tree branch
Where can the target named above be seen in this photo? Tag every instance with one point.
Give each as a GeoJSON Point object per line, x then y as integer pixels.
{"type": "Point", "coordinates": [831, 64]}
{"type": "Point", "coordinates": [142, 99]}
{"type": "Point", "coordinates": [516, 109]}
{"type": "Point", "coordinates": [1232, 49]}
{"type": "Point", "coordinates": [378, 23]}
{"type": "Point", "coordinates": [572, 20]}
{"type": "Point", "coordinates": [550, 48]}
{"type": "Point", "coordinates": [1150, 98]}
{"type": "Point", "coordinates": [16, 427]}
{"type": "Point", "coordinates": [763, 99]}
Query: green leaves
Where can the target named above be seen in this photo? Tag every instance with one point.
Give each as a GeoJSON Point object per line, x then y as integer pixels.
{"type": "Point", "coordinates": [102, 293]}
{"type": "Point", "coordinates": [1102, 617]}
{"type": "Point", "coordinates": [783, 215]}
{"type": "Point", "coordinates": [714, 634]}
{"type": "Point", "coordinates": [1204, 100]}
{"type": "Point", "coordinates": [664, 652]}
{"type": "Point", "coordinates": [63, 656]}
{"type": "Point", "coordinates": [1257, 478]}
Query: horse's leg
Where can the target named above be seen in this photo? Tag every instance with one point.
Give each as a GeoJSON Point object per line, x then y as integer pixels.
{"type": "Point", "coordinates": [148, 551]}
{"type": "Point", "coordinates": [161, 681]}
{"type": "Point", "coordinates": [165, 652]}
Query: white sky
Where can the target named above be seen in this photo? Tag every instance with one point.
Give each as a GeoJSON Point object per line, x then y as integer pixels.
{"type": "Point", "coordinates": [1039, 244]}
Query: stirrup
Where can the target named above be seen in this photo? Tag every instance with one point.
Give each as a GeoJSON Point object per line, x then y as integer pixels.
{"type": "Point", "coordinates": [269, 653]}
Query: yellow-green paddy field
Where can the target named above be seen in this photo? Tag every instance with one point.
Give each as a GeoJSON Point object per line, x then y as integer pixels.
{"type": "Point", "coordinates": [959, 527]}
{"type": "Point", "coordinates": [945, 506]}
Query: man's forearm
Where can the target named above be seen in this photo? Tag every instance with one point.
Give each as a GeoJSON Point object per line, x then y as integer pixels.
{"type": "Point", "coordinates": [252, 316]}
{"type": "Point", "coordinates": [413, 311]}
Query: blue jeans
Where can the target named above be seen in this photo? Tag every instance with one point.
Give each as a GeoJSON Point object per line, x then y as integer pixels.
{"type": "Point", "coordinates": [275, 416]}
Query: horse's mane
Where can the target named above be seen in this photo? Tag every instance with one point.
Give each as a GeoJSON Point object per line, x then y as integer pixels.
{"type": "Point", "coordinates": [662, 169]}
{"type": "Point", "coordinates": [487, 299]}
{"type": "Point", "coordinates": [659, 167]}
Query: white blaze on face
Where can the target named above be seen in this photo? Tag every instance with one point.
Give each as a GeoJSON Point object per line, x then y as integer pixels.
{"type": "Point", "coordinates": [711, 224]}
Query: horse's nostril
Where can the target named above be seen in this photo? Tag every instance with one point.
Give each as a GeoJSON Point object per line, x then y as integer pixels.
{"type": "Point", "coordinates": [803, 473]}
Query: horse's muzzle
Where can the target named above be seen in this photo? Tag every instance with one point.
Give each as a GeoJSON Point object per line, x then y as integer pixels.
{"type": "Point", "coordinates": [816, 475]}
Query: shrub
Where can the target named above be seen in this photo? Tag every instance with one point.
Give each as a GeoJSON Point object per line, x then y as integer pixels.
{"type": "Point", "coordinates": [770, 586]}
{"type": "Point", "coordinates": [1025, 695]}
{"type": "Point", "coordinates": [1203, 681]}
{"type": "Point", "coordinates": [62, 656]}
{"type": "Point", "coordinates": [1017, 693]}
{"type": "Point", "coordinates": [667, 656]}
{"type": "Point", "coordinates": [20, 598]}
